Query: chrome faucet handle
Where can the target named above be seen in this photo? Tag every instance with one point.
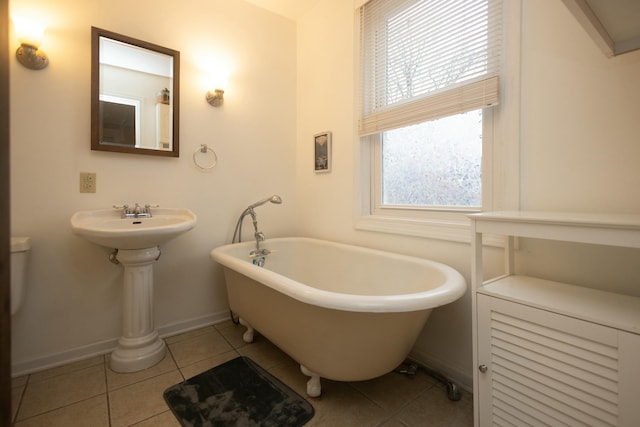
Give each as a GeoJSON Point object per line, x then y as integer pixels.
{"type": "Point", "coordinates": [125, 210]}
{"type": "Point", "coordinates": [147, 209]}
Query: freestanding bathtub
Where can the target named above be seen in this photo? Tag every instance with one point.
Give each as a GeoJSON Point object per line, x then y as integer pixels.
{"type": "Point", "coordinates": [345, 313]}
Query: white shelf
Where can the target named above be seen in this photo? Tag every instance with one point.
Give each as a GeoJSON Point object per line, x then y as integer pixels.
{"type": "Point", "coordinates": [615, 230]}
{"type": "Point", "coordinates": [604, 308]}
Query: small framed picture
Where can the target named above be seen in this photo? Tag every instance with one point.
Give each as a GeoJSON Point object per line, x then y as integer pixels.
{"type": "Point", "coordinates": [322, 152]}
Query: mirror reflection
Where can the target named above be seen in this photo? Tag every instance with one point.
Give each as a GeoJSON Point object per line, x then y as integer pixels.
{"type": "Point", "coordinates": [135, 95]}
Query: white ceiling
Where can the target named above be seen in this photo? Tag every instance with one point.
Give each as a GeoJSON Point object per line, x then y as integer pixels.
{"type": "Point", "coordinates": [621, 18]}
{"type": "Point", "coordinates": [613, 25]}
{"type": "Point", "coordinates": [292, 9]}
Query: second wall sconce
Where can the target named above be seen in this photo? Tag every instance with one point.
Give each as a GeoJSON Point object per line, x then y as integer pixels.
{"type": "Point", "coordinates": [30, 35]}
{"type": "Point", "coordinates": [215, 97]}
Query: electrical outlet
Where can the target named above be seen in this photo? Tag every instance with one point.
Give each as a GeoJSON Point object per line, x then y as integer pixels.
{"type": "Point", "coordinates": [87, 182]}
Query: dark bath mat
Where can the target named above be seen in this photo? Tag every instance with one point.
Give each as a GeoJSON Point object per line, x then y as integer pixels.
{"type": "Point", "coordinates": [237, 393]}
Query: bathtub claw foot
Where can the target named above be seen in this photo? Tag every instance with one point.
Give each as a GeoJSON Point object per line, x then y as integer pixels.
{"type": "Point", "coordinates": [248, 334]}
{"type": "Point", "coordinates": [314, 389]}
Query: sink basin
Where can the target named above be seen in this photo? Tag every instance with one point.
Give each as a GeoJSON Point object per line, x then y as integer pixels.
{"type": "Point", "coordinates": [105, 227]}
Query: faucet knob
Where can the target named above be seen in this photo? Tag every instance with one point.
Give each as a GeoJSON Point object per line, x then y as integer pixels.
{"type": "Point", "coordinates": [147, 208]}
{"type": "Point", "coordinates": [125, 210]}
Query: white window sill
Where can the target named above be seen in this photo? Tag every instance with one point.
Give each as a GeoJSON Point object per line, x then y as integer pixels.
{"type": "Point", "coordinates": [456, 229]}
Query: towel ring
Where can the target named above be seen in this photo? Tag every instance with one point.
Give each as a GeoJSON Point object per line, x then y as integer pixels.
{"type": "Point", "coordinates": [200, 157]}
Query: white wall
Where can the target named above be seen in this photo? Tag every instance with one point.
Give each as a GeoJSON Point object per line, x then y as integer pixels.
{"type": "Point", "coordinates": [579, 151]}
{"type": "Point", "coordinates": [72, 303]}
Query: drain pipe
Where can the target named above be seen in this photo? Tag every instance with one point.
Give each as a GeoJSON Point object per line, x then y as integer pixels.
{"type": "Point", "coordinates": [410, 368]}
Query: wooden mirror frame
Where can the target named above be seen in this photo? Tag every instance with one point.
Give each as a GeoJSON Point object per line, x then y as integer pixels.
{"type": "Point", "coordinates": [96, 33]}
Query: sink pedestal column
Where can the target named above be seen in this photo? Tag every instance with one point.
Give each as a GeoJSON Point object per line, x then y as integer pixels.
{"type": "Point", "coordinates": [139, 347]}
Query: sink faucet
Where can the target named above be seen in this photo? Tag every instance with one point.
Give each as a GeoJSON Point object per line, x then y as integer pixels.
{"type": "Point", "coordinates": [137, 211]}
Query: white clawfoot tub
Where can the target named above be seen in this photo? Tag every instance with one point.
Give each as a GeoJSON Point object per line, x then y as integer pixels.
{"type": "Point", "coordinates": [345, 313]}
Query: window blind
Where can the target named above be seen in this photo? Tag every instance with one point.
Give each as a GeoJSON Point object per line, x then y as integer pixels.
{"type": "Point", "coordinates": [426, 59]}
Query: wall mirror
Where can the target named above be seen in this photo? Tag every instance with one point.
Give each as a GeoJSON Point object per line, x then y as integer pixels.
{"type": "Point", "coordinates": [135, 95]}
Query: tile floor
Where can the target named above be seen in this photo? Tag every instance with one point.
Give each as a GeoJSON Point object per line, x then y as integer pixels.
{"type": "Point", "coordinates": [88, 393]}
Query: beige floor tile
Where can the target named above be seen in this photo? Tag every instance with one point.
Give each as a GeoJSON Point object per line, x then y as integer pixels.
{"type": "Point", "coordinates": [265, 354]}
{"type": "Point", "coordinates": [208, 363]}
{"type": "Point", "coordinates": [291, 375]}
{"type": "Point", "coordinates": [166, 419]}
{"type": "Point", "coordinates": [62, 390]}
{"type": "Point", "coordinates": [76, 394]}
{"type": "Point", "coordinates": [188, 335]}
{"type": "Point", "coordinates": [224, 324]}
{"type": "Point", "coordinates": [433, 408]}
{"type": "Point", "coordinates": [339, 405]}
{"type": "Point", "coordinates": [117, 380]}
{"type": "Point", "coordinates": [142, 400]}
{"type": "Point", "coordinates": [393, 423]}
{"type": "Point", "coordinates": [194, 349]}
{"type": "Point", "coordinates": [232, 333]}
{"type": "Point", "coordinates": [66, 369]}
{"type": "Point", "coordinates": [342, 405]}
{"type": "Point", "coordinates": [91, 412]}
{"type": "Point", "coordinates": [404, 388]}
{"type": "Point", "coordinates": [20, 381]}
{"type": "Point", "coordinates": [17, 390]}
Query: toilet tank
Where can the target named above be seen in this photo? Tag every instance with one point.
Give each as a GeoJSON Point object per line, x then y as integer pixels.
{"type": "Point", "coordinates": [20, 247]}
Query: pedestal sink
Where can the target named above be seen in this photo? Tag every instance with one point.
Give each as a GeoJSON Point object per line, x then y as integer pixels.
{"type": "Point", "coordinates": [136, 240]}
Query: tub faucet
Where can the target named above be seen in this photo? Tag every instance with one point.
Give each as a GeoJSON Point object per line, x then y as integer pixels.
{"type": "Point", "coordinates": [258, 235]}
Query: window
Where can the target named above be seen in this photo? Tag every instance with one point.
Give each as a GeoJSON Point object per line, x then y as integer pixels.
{"type": "Point", "coordinates": [430, 77]}
{"type": "Point", "coordinates": [432, 164]}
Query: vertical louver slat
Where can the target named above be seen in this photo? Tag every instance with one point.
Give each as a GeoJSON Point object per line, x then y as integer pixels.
{"type": "Point", "coordinates": [545, 376]}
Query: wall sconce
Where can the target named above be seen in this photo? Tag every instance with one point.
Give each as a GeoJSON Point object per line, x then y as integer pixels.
{"type": "Point", "coordinates": [30, 35]}
{"type": "Point", "coordinates": [215, 97]}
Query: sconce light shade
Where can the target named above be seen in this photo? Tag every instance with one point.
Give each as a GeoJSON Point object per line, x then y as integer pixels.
{"type": "Point", "coordinates": [30, 35]}
{"type": "Point", "coordinates": [215, 97]}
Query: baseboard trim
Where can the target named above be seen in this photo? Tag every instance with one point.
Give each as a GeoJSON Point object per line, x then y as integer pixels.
{"type": "Point", "coordinates": [183, 326]}
{"type": "Point", "coordinates": [452, 373]}
{"type": "Point", "coordinates": [53, 360]}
